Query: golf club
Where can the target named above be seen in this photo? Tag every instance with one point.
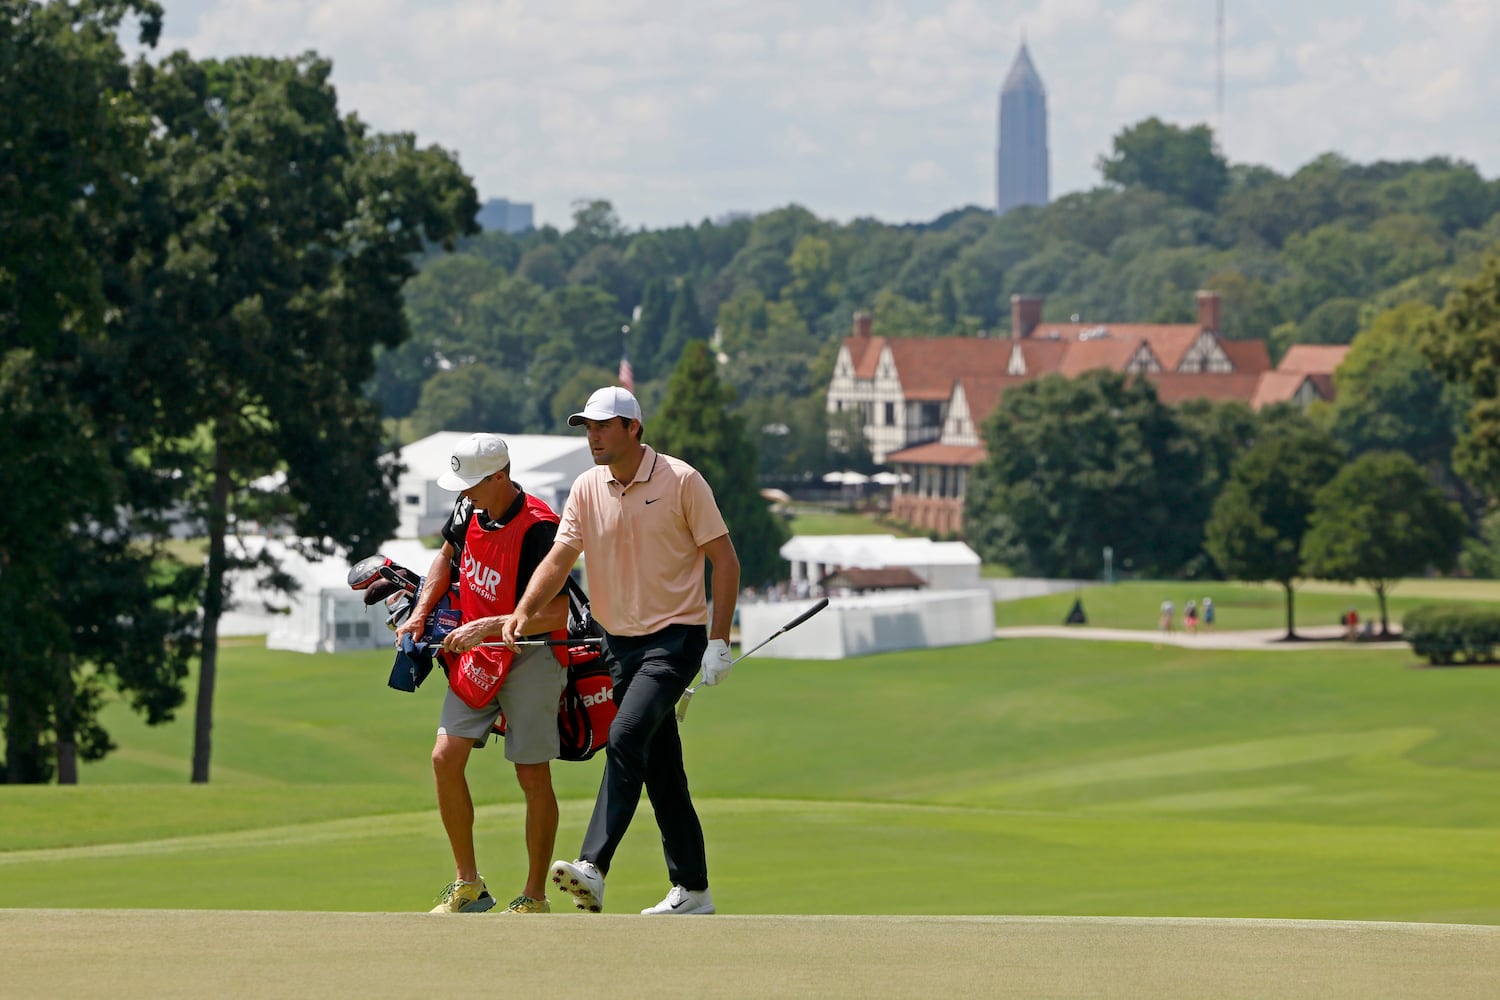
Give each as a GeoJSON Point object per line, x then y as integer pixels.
{"type": "Point", "coordinates": [588, 641]}
{"type": "Point", "coordinates": [687, 696]}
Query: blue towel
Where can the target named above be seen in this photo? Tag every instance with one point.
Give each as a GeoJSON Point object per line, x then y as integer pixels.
{"type": "Point", "coordinates": [413, 664]}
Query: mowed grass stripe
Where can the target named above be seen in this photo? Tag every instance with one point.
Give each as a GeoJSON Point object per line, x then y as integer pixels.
{"type": "Point", "coordinates": [1016, 776]}
{"type": "Point", "coordinates": [818, 857]}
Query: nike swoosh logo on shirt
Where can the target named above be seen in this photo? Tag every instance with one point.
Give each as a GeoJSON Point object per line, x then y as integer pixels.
{"type": "Point", "coordinates": [653, 500]}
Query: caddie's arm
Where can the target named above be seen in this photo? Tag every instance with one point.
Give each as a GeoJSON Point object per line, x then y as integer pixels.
{"type": "Point", "coordinates": [543, 592]}
{"type": "Point", "coordinates": [552, 616]}
{"type": "Point", "coordinates": [724, 576]}
{"type": "Point", "coordinates": [434, 586]}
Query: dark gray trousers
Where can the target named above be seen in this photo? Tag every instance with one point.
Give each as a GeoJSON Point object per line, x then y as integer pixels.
{"type": "Point", "coordinates": [645, 751]}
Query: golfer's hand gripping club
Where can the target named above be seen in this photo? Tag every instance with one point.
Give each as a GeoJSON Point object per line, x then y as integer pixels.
{"type": "Point", "coordinates": [716, 662]}
{"type": "Point", "coordinates": [719, 674]}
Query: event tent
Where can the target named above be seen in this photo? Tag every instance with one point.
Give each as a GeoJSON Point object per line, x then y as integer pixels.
{"type": "Point", "coordinates": [943, 565]}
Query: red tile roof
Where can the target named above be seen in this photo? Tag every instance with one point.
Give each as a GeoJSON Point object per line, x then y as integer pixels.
{"type": "Point", "coordinates": [1278, 387]}
{"type": "Point", "coordinates": [1110, 352]}
{"type": "Point", "coordinates": [937, 453]}
{"type": "Point", "coordinates": [1314, 359]}
{"type": "Point", "coordinates": [1247, 355]}
{"type": "Point", "coordinates": [1177, 387]}
{"type": "Point", "coordinates": [928, 365]}
{"type": "Point", "coordinates": [984, 393]}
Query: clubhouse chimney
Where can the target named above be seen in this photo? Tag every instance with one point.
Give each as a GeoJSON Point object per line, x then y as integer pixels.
{"type": "Point", "coordinates": [1208, 310]}
{"type": "Point", "coordinates": [1025, 314]}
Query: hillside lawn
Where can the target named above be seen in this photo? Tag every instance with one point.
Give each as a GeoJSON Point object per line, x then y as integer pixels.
{"type": "Point", "coordinates": [1136, 604]}
{"type": "Point", "coordinates": [1043, 777]}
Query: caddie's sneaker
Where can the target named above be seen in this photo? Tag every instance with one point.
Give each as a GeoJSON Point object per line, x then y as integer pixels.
{"type": "Point", "coordinates": [582, 881]}
{"type": "Point", "coordinates": [683, 902]}
{"type": "Point", "coordinates": [464, 897]}
{"type": "Point", "coordinates": [525, 904]}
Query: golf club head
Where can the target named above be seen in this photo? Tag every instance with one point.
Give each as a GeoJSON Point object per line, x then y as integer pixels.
{"type": "Point", "coordinates": [366, 572]}
{"type": "Point", "coordinates": [401, 577]}
{"type": "Point", "coordinates": [380, 590]}
{"type": "Point", "coordinates": [398, 607]}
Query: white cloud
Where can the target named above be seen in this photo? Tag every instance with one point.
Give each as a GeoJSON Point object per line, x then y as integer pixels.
{"type": "Point", "coordinates": [677, 109]}
{"type": "Point", "coordinates": [927, 172]}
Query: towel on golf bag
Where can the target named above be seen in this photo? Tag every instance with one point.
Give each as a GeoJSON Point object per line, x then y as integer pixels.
{"type": "Point", "coordinates": [585, 708]}
{"type": "Point", "coordinates": [414, 659]}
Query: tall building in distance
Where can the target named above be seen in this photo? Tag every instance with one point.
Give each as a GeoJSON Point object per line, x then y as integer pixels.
{"type": "Point", "coordinates": [1021, 163]}
{"type": "Point", "coordinates": [506, 216]}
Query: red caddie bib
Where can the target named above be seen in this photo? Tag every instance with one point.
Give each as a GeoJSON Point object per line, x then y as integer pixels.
{"type": "Point", "coordinates": [487, 586]}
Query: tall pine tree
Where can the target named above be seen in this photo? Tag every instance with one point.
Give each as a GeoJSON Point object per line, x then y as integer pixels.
{"type": "Point", "coordinates": [685, 326]}
{"type": "Point", "coordinates": [696, 426]}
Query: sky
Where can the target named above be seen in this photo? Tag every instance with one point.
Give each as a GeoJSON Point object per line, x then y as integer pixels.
{"type": "Point", "coordinates": [681, 110]}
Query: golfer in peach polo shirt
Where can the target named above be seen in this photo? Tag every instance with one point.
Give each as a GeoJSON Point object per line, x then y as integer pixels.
{"type": "Point", "coordinates": [646, 523]}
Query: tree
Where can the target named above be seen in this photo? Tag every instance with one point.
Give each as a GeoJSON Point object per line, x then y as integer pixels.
{"type": "Point", "coordinates": [282, 233]}
{"type": "Point", "coordinates": [475, 397]}
{"type": "Point", "coordinates": [1180, 163]}
{"type": "Point", "coordinates": [1463, 344]}
{"type": "Point", "coordinates": [695, 424]}
{"type": "Point", "coordinates": [1073, 466]}
{"type": "Point", "coordinates": [1378, 520]}
{"type": "Point", "coordinates": [78, 492]}
{"type": "Point", "coordinates": [1255, 531]}
{"type": "Point", "coordinates": [1390, 398]}
{"type": "Point", "coordinates": [685, 326]}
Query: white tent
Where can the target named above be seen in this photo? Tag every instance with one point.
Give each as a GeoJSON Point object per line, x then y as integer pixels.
{"type": "Point", "coordinates": [942, 565]}
{"type": "Point", "coordinates": [324, 615]}
{"type": "Point", "coordinates": [873, 623]}
{"type": "Point", "coordinates": [544, 465]}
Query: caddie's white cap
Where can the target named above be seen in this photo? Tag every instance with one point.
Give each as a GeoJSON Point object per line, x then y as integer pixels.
{"type": "Point", "coordinates": [475, 457]}
{"type": "Point", "coordinates": [611, 401]}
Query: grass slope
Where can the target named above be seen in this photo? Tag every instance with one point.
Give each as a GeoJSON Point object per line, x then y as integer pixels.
{"type": "Point", "coordinates": [1019, 776]}
{"type": "Point", "coordinates": [1137, 604]}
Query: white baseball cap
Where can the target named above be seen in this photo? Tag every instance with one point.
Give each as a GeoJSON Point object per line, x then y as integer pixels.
{"type": "Point", "coordinates": [611, 401]}
{"type": "Point", "coordinates": [475, 457]}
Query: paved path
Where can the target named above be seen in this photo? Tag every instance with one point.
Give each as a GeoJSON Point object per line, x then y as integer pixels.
{"type": "Point", "coordinates": [1318, 637]}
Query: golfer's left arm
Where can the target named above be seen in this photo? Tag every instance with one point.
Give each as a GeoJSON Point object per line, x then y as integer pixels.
{"type": "Point", "coordinates": [724, 577]}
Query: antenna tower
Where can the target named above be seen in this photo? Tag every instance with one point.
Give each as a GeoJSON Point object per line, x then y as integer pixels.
{"type": "Point", "coordinates": [1219, 81]}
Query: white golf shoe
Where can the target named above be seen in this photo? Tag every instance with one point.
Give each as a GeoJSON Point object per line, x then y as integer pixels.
{"type": "Point", "coordinates": [582, 881]}
{"type": "Point", "coordinates": [683, 902]}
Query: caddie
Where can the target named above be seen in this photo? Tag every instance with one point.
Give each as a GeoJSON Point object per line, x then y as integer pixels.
{"type": "Point", "coordinates": [496, 538]}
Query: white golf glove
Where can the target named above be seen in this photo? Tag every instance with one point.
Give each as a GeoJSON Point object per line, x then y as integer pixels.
{"type": "Point", "coordinates": [716, 662]}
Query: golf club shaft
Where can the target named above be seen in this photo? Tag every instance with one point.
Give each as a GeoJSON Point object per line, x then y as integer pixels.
{"type": "Point", "coordinates": [589, 641]}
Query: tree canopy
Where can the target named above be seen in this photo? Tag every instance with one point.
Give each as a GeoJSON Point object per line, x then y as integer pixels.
{"type": "Point", "coordinates": [1378, 520]}
{"type": "Point", "coordinates": [1260, 517]}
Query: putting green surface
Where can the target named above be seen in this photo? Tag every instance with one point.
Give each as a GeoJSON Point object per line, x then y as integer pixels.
{"type": "Point", "coordinates": [169, 953]}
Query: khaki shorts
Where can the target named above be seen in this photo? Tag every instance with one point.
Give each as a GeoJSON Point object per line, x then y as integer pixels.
{"type": "Point", "coordinates": [529, 700]}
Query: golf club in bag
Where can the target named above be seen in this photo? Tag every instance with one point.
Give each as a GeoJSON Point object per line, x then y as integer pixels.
{"type": "Point", "coordinates": [687, 696]}
{"type": "Point", "coordinates": [586, 706]}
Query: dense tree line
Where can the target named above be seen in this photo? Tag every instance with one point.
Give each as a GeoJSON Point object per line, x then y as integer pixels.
{"type": "Point", "coordinates": [505, 326]}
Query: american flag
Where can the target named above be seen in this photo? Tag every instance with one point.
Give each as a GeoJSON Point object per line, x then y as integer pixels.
{"type": "Point", "coordinates": [627, 373]}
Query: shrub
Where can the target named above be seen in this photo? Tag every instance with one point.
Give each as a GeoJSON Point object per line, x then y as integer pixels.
{"type": "Point", "coordinates": [1446, 635]}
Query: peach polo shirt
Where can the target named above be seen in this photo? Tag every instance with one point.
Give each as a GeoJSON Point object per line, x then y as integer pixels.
{"type": "Point", "coordinates": [642, 541]}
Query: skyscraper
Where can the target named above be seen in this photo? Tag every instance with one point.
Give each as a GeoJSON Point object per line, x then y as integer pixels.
{"type": "Point", "coordinates": [1022, 161]}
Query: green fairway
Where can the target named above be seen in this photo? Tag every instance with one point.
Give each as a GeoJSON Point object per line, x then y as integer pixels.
{"type": "Point", "coordinates": [1019, 776]}
{"type": "Point", "coordinates": [1319, 604]}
